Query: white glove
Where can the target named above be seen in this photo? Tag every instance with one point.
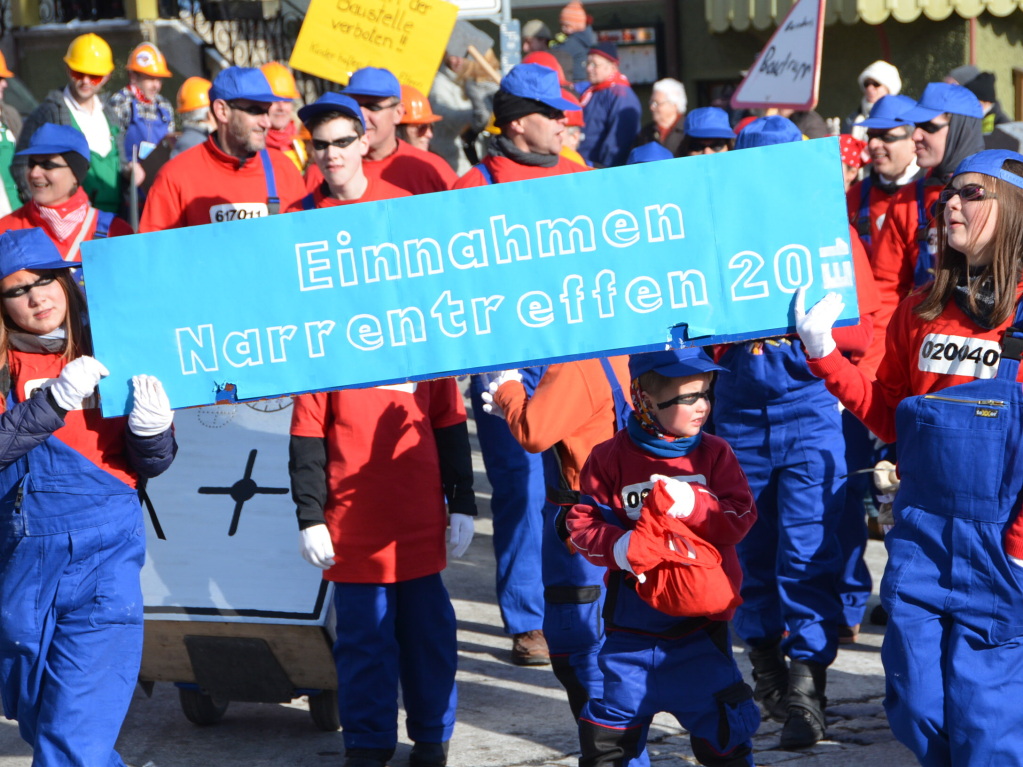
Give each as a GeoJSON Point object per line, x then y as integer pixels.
{"type": "Point", "coordinates": [151, 412]}
{"type": "Point", "coordinates": [316, 547]}
{"type": "Point", "coordinates": [681, 493]}
{"type": "Point", "coordinates": [77, 381]}
{"type": "Point", "coordinates": [460, 534]}
{"type": "Point", "coordinates": [814, 327]}
{"type": "Point", "coordinates": [621, 551]}
{"type": "Point", "coordinates": [886, 480]}
{"type": "Point", "coordinates": [494, 382]}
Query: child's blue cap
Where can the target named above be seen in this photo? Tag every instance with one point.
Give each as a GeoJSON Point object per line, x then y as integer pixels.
{"type": "Point", "coordinates": [57, 139]}
{"type": "Point", "coordinates": [649, 152]}
{"type": "Point", "coordinates": [673, 363]}
{"type": "Point", "coordinates": [29, 249]}
{"type": "Point", "coordinates": [536, 82]}
{"type": "Point", "coordinates": [887, 113]}
{"type": "Point", "coordinates": [243, 83]}
{"type": "Point", "coordinates": [708, 122]}
{"type": "Point", "coordinates": [332, 102]}
{"type": "Point", "coordinates": [375, 82]}
{"type": "Point", "coordinates": [940, 98]}
{"type": "Point", "coordinates": [989, 162]}
{"type": "Point", "coordinates": [767, 131]}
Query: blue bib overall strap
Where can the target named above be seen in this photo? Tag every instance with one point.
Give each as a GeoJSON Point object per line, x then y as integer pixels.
{"type": "Point", "coordinates": [103, 221]}
{"type": "Point", "coordinates": [623, 407]}
{"type": "Point", "coordinates": [307, 202]}
{"type": "Point", "coordinates": [273, 202]}
{"type": "Point", "coordinates": [485, 172]}
{"type": "Point", "coordinates": [924, 260]}
{"type": "Point", "coordinates": [862, 222]}
{"type": "Point", "coordinates": [142, 131]}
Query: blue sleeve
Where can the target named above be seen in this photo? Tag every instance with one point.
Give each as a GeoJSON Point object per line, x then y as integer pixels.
{"type": "Point", "coordinates": [150, 456]}
{"type": "Point", "coordinates": [27, 425]}
{"type": "Point", "coordinates": [595, 113]}
{"type": "Point", "coordinates": [625, 125]}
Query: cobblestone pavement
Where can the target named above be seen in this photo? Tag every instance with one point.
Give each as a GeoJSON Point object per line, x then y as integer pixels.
{"type": "Point", "coordinates": [508, 716]}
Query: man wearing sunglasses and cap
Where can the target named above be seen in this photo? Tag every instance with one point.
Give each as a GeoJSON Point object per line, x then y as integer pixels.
{"type": "Point", "coordinates": [232, 176]}
{"type": "Point", "coordinates": [89, 63]}
{"type": "Point", "coordinates": [378, 93]}
{"type": "Point", "coordinates": [948, 130]}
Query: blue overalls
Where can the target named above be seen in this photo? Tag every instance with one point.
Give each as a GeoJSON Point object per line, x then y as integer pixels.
{"type": "Point", "coordinates": [786, 431]}
{"type": "Point", "coordinates": [652, 662]}
{"type": "Point", "coordinates": [516, 504]}
{"type": "Point", "coordinates": [143, 134]}
{"type": "Point", "coordinates": [72, 545]}
{"type": "Point", "coordinates": [953, 650]}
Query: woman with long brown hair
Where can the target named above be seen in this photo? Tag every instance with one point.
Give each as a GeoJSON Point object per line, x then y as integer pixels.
{"type": "Point", "coordinates": [72, 541]}
{"type": "Point", "coordinates": [949, 390]}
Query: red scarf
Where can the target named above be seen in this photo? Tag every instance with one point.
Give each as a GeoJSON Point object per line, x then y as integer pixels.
{"type": "Point", "coordinates": [138, 94]}
{"type": "Point", "coordinates": [617, 79]}
{"type": "Point", "coordinates": [282, 138]}
{"type": "Point", "coordinates": [64, 219]}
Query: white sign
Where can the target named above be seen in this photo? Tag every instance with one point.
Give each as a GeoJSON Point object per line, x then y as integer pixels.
{"type": "Point", "coordinates": [478, 9]}
{"type": "Point", "coordinates": [787, 71]}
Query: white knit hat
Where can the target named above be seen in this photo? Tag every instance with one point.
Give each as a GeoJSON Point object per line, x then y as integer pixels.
{"type": "Point", "coordinates": [884, 73]}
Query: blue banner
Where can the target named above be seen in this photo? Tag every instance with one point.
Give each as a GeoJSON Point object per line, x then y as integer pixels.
{"type": "Point", "coordinates": [487, 278]}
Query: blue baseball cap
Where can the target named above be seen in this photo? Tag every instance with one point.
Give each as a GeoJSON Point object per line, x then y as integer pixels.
{"type": "Point", "coordinates": [649, 153]}
{"type": "Point", "coordinates": [887, 113]}
{"type": "Point", "coordinates": [536, 82]}
{"type": "Point", "coordinates": [708, 122]}
{"type": "Point", "coordinates": [57, 139]}
{"type": "Point", "coordinates": [332, 102]}
{"type": "Point", "coordinates": [940, 98]}
{"type": "Point", "coordinates": [29, 249]}
{"type": "Point", "coordinates": [243, 83]}
{"type": "Point", "coordinates": [673, 363]}
{"type": "Point", "coordinates": [989, 162]}
{"type": "Point", "coordinates": [373, 81]}
{"type": "Point", "coordinates": [767, 131]}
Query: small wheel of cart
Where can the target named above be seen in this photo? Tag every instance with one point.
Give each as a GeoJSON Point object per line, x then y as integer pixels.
{"type": "Point", "coordinates": [202, 709]}
{"type": "Point", "coordinates": [323, 710]}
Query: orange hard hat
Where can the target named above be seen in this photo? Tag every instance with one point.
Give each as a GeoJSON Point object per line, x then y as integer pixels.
{"type": "Point", "coordinates": [146, 59]}
{"type": "Point", "coordinates": [194, 93]}
{"type": "Point", "coordinates": [282, 83]}
{"type": "Point", "coordinates": [417, 107]}
{"type": "Point", "coordinates": [4, 71]}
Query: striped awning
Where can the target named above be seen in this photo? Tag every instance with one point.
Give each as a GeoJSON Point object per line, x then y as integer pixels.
{"type": "Point", "coordinates": [764, 14]}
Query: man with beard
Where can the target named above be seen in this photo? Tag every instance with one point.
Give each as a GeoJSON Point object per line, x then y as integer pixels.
{"type": "Point", "coordinates": [233, 176]}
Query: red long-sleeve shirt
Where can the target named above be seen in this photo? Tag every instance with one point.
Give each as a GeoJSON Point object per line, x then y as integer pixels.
{"type": "Point", "coordinates": [411, 169]}
{"type": "Point", "coordinates": [617, 474]}
{"type": "Point", "coordinates": [915, 363]}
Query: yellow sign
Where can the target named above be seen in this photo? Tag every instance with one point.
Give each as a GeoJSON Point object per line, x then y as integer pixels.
{"type": "Point", "coordinates": [407, 37]}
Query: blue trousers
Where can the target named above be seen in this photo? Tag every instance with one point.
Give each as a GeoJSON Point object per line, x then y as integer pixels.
{"type": "Point", "coordinates": [855, 584]}
{"type": "Point", "coordinates": [694, 678]}
{"type": "Point", "coordinates": [516, 503]}
{"type": "Point", "coordinates": [390, 633]}
{"type": "Point", "coordinates": [793, 455]}
{"type": "Point", "coordinates": [71, 638]}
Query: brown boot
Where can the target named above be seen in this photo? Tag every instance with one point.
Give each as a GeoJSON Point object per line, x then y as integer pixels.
{"type": "Point", "coordinates": [530, 649]}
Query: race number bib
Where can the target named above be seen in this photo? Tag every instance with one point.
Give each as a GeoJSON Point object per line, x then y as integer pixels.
{"type": "Point", "coordinates": [237, 211]}
{"type": "Point", "coordinates": [959, 356]}
{"type": "Point", "coordinates": [634, 495]}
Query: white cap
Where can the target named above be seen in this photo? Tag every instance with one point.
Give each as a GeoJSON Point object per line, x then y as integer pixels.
{"type": "Point", "coordinates": [884, 73]}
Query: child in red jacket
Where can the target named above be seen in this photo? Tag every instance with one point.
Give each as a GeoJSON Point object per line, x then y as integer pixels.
{"type": "Point", "coordinates": [654, 661]}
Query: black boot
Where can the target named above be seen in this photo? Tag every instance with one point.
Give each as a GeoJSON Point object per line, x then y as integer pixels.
{"type": "Point", "coordinates": [429, 755]}
{"type": "Point", "coordinates": [805, 723]}
{"type": "Point", "coordinates": [367, 757]}
{"type": "Point", "coordinates": [771, 676]}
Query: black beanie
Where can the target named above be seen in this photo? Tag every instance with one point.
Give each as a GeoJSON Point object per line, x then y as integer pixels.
{"type": "Point", "coordinates": [78, 164]}
{"type": "Point", "coordinates": [508, 107]}
{"type": "Point", "coordinates": [983, 86]}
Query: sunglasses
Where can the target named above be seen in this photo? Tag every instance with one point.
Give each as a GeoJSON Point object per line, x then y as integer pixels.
{"type": "Point", "coordinates": [341, 143]}
{"type": "Point", "coordinates": [871, 84]}
{"type": "Point", "coordinates": [684, 399]}
{"type": "Point", "coordinates": [931, 127]}
{"type": "Point", "coordinates": [251, 109]}
{"type": "Point", "coordinates": [24, 290]}
{"type": "Point", "coordinates": [888, 138]}
{"type": "Point", "coordinates": [715, 145]}
{"type": "Point", "coordinates": [375, 107]}
{"type": "Point", "coordinates": [967, 193]}
{"type": "Point", "coordinates": [94, 79]}
{"type": "Point", "coordinates": [44, 164]}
